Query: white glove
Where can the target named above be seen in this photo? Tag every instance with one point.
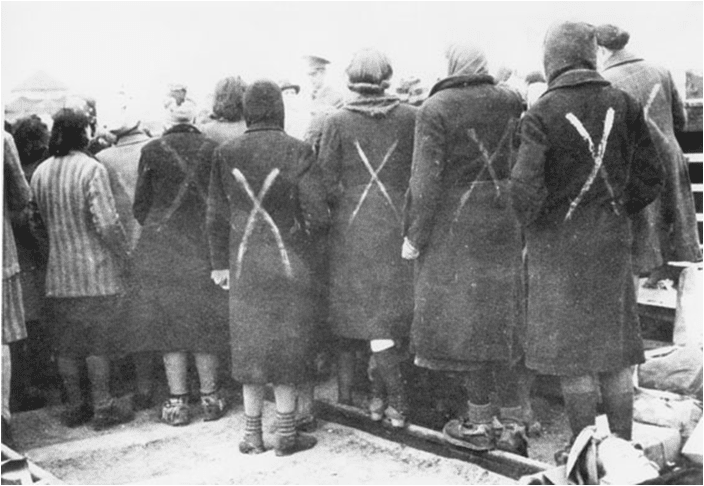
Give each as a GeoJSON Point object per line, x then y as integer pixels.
{"type": "Point", "coordinates": [221, 278]}
{"type": "Point", "coordinates": [408, 251]}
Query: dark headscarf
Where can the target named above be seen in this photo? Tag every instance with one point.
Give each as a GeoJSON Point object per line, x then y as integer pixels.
{"type": "Point", "coordinates": [263, 104]}
{"type": "Point", "coordinates": [568, 46]}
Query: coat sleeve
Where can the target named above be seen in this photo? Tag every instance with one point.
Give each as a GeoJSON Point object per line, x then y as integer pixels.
{"type": "Point", "coordinates": [527, 184]}
{"type": "Point", "coordinates": [101, 205]}
{"type": "Point", "coordinates": [312, 193]}
{"type": "Point", "coordinates": [647, 174]}
{"type": "Point", "coordinates": [217, 218]}
{"type": "Point", "coordinates": [143, 193]}
{"type": "Point", "coordinates": [679, 114]}
{"type": "Point", "coordinates": [330, 161]}
{"type": "Point", "coordinates": [425, 186]}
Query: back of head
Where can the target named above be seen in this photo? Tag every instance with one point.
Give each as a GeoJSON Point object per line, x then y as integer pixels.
{"type": "Point", "coordinates": [369, 71]}
{"type": "Point", "coordinates": [68, 132]}
{"type": "Point", "coordinates": [465, 60]}
{"type": "Point", "coordinates": [612, 37]}
{"type": "Point", "coordinates": [228, 103]}
{"type": "Point", "coordinates": [32, 138]}
{"type": "Point", "coordinates": [264, 104]}
{"type": "Point", "coordinates": [568, 46]}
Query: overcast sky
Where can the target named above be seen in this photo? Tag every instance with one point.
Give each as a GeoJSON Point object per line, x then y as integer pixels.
{"type": "Point", "coordinates": [97, 47]}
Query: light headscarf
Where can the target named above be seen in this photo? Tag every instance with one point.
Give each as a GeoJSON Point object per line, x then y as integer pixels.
{"type": "Point", "coordinates": [465, 59]}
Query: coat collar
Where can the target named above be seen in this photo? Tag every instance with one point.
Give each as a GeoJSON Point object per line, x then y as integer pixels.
{"type": "Point", "coordinates": [182, 128]}
{"type": "Point", "coordinates": [621, 57]}
{"type": "Point", "coordinates": [131, 138]}
{"type": "Point", "coordinates": [262, 126]}
{"type": "Point", "coordinates": [576, 77]}
{"type": "Point", "coordinates": [461, 82]}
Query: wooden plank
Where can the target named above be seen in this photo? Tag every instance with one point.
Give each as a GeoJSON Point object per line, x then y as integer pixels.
{"type": "Point", "coordinates": [500, 462]}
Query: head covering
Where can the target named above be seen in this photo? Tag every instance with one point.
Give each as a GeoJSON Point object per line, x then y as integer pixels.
{"type": "Point", "coordinates": [183, 113]}
{"type": "Point", "coordinates": [316, 62]}
{"type": "Point", "coordinates": [464, 60]}
{"type": "Point", "coordinates": [411, 90]}
{"type": "Point", "coordinates": [286, 84]}
{"type": "Point", "coordinates": [263, 104]}
{"type": "Point", "coordinates": [567, 46]}
{"type": "Point", "coordinates": [177, 87]}
{"type": "Point", "coordinates": [612, 37]}
{"type": "Point", "coordinates": [369, 72]}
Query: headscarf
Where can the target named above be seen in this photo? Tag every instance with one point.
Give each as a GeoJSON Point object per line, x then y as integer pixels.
{"type": "Point", "coordinates": [465, 59]}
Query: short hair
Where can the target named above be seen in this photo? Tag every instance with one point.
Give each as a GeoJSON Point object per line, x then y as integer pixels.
{"type": "Point", "coordinates": [229, 99]}
{"type": "Point", "coordinates": [369, 66]}
{"type": "Point", "coordinates": [68, 132]}
{"type": "Point", "coordinates": [32, 139]}
{"type": "Point", "coordinates": [612, 37]}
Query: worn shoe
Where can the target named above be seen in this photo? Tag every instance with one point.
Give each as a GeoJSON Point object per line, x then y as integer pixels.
{"type": "Point", "coordinates": [306, 423]}
{"type": "Point", "coordinates": [252, 444]}
{"type": "Point", "coordinates": [111, 414]}
{"type": "Point", "coordinates": [287, 445]}
{"type": "Point", "coordinates": [213, 406]}
{"type": "Point", "coordinates": [176, 411]}
{"type": "Point", "coordinates": [476, 437]}
{"type": "Point", "coordinates": [512, 438]}
{"type": "Point", "coordinates": [396, 418]}
{"type": "Point", "coordinates": [76, 415]}
{"type": "Point", "coordinates": [377, 406]}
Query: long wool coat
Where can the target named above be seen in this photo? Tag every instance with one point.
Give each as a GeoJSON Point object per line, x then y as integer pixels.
{"type": "Point", "coordinates": [266, 204]}
{"type": "Point", "coordinates": [176, 306]}
{"type": "Point", "coordinates": [371, 286]}
{"type": "Point", "coordinates": [468, 288]}
{"type": "Point", "coordinates": [667, 228]}
{"type": "Point", "coordinates": [581, 301]}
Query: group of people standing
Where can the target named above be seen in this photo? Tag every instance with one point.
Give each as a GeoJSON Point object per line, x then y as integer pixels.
{"type": "Point", "coordinates": [486, 240]}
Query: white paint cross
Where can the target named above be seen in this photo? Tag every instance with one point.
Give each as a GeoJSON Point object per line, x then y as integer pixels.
{"type": "Point", "coordinates": [258, 210]}
{"type": "Point", "coordinates": [488, 161]}
{"type": "Point", "coordinates": [374, 179]}
{"type": "Point", "coordinates": [598, 156]}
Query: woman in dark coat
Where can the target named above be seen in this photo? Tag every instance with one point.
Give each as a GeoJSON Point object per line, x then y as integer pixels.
{"type": "Point", "coordinates": [266, 205]}
{"type": "Point", "coordinates": [467, 241]}
{"type": "Point", "coordinates": [177, 309]}
{"type": "Point", "coordinates": [365, 153]}
{"type": "Point", "coordinates": [666, 230]}
{"type": "Point", "coordinates": [586, 164]}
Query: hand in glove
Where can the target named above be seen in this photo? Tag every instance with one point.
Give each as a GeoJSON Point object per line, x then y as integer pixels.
{"type": "Point", "coordinates": [221, 278]}
{"type": "Point", "coordinates": [408, 251]}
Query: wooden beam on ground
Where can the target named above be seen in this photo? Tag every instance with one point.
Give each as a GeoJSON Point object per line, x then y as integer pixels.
{"type": "Point", "coordinates": [500, 462]}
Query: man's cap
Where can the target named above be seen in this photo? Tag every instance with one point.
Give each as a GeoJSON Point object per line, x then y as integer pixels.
{"type": "Point", "coordinates": [177, 87]}
{"type": "Point", "coordinates": [286, 84]}
{"type": "Point", "coordinates": [316, 62]}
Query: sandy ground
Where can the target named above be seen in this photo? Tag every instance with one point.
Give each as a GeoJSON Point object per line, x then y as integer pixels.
{"type": "Point", "coordinates": [148, 452]}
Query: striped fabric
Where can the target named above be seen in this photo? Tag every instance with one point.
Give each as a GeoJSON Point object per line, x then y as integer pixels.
{"type": "Point", "coordinates": [86, 239]}
{"type": "Point", "coordinates": [13, 327]}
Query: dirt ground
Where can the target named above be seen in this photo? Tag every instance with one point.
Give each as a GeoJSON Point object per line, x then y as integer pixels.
{"type": "Point", "coordinates": [148, 452]}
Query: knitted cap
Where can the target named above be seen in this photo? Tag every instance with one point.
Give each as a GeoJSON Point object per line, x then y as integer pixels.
{"type": "Point", "coordinates": [567, 46]}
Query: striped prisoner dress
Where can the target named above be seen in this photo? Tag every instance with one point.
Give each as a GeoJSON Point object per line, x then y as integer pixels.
{"type": "Point", "coordinates": [86, 238]}
{"type": "Point", "coordinates": [17, 196]}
